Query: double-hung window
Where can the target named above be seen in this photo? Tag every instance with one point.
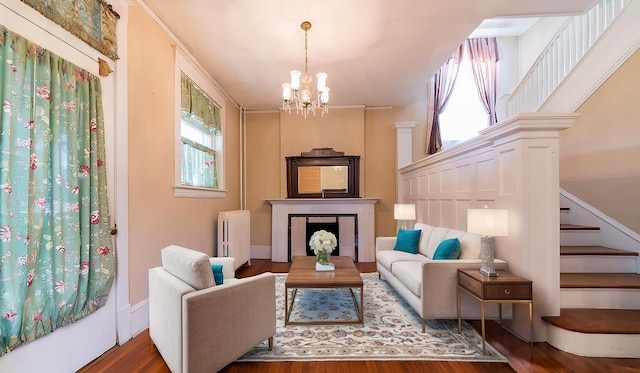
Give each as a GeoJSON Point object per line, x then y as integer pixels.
{"type": "Point", "coordinates": [199, 156]}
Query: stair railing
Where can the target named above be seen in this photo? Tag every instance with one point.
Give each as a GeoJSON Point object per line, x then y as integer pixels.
{"type": "Point", "coordinates": [562, 53]}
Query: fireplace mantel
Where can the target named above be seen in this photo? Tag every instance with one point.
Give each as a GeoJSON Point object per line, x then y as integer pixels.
{"type": "Point", "coordinates": [362, 207]}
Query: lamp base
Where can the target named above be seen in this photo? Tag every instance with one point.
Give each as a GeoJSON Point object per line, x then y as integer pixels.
{"type": "Point", "coordinates": [487, 250]}
{"type": "Point", "coordinates": [490, 274]}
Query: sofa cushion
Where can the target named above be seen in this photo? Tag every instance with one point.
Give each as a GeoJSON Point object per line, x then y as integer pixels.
{"type": "Point", "coordinates": [447, 249]}
{"type": "Point", "coordinates": [407, 240]}
{"type": "Point", "coordinates": [424, 237]}
{"type": "Point", "coordinates": [469, 243]}
{"type": "Point", "coordinates": [409, 273]}
{"type": "Point", "coordinates": [387, 257]}
{"type": "Point", "coordinates": [188, 265]}
{"type": "Point", "coordinates": [437, 235]}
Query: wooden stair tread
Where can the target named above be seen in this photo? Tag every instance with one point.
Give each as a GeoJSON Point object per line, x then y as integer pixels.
{"type": "Point", "coordinates": [573, 227]}
{"type": "Point", "coordinates": [594, 250]}
{"type": "Point", "coordinates": [600, 280]}
{"type": "Point", "coordinates": [600, 321]}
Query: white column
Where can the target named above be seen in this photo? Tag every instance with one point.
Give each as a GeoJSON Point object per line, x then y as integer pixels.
{"type": "Point", "coordinates": [404, 142]}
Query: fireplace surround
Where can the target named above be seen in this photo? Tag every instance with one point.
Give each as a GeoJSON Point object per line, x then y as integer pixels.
{"type": "Point", "coordinates": [362, 210]}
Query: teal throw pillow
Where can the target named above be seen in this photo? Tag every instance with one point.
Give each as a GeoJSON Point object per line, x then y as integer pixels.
{"type": "Point", "coordinates": [448, 249]}
{"type": "Point", "coordinates": [218, 277]}
{"type": "Point", "coordinates": [408, 240]}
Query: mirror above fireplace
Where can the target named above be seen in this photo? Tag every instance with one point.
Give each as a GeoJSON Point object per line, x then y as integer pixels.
{"type": "Point", "coordinates": [323, 173]}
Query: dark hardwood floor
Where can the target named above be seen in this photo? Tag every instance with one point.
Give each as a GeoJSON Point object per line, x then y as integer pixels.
{"type": "Point", "coordinates": [138, 355]}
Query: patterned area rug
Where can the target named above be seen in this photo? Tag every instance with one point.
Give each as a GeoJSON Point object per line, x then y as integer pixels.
{"type": "Point", "coordinates": [391, 330]}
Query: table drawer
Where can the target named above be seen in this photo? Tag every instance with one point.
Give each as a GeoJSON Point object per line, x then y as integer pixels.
{"type": "Point", "coordinates": [507, 292]}
{"type": "Point", "coordinates": [470, 284]}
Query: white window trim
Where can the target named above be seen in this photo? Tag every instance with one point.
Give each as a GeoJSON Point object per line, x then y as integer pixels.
{"type": "Point", "coordinates": [185, 64]}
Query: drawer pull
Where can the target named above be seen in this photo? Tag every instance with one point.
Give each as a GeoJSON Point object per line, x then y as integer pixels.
{"type": "Point", "coordinates": [468, 282]}
{"type": "Point", "coordinates": [507, 291]}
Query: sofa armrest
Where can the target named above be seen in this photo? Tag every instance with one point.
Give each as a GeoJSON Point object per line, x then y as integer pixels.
{"type": "Point", "coordinates": [222, 323]}
{"type": "Point", "coordinates": [439, 284]}
{"type": "Point", "coordinates": [165, 314]}
{"type": "Point", "coordinates": [385, 243]}
{"type": "Point", "coordinates": [228, 265]}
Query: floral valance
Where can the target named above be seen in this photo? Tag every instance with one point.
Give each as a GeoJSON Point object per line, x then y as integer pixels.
{"type": "Point", "coordinates": [93, 21]}
{"type": "Point", "coordinates": [195, 103]}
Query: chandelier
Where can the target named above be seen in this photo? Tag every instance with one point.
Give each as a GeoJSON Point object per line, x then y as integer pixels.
{"type": "Point", "coordinates": [299, 92]}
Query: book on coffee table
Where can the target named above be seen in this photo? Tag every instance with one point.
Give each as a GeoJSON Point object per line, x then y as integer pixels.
{"type": "Point", "coordinates": [325, 267]}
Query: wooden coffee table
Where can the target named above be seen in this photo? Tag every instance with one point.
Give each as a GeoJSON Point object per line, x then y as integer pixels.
{"type": "Point", "coordinates": [303, 275]}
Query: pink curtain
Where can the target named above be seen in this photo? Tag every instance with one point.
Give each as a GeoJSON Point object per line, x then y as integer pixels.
{"type": "Point", "coordinates": [483, 53]}
{"type": "Point", "coordinates": [444, 80]}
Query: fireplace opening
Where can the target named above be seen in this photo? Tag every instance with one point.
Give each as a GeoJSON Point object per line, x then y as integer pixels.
{"type": "Point", "coordinates": [303, 226]}
{"type": "Point", "coordinates": [328, 226]}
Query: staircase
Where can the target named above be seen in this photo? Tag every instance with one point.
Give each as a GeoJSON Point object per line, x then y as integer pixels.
{"type": "Point", "coordinates": [599, 295]}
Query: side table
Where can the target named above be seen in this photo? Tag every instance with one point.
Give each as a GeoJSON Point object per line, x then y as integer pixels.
{"type": "Point", "coordinates": [506, 288]}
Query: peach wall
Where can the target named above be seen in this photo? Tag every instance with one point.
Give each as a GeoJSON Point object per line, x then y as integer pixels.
{"type": "Point", "coordinates": [263, 172]}
{"type": "Point", "coordinates": [156, 217]}
{"type": "Point", "coordinates": [599, 154]}
{"type": "Point", "coordinates": [273, 136]}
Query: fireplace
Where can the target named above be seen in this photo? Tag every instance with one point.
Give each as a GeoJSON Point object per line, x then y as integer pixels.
{"type": "Point", "coordinates": [288, 240]}
{"type": "Point", "coordinates": [343, 226]}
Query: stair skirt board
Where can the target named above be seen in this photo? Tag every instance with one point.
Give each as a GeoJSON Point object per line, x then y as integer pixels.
{"type": "Point", "coordinates": [578, 238]}
{"type": "Point", "coordinates": [594, 345]}
{"type": "Point", "coordinates": [598, 264]}
{"type": "Point", "coordinates": [599, 298]}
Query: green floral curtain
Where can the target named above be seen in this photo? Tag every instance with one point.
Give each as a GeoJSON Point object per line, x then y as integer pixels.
{"type": "Point", "coordinates": [57, 261]}
{"type": "Point", "coordinates": [198, 165]}
{"type": "Point", "coordinates": [197, 104]}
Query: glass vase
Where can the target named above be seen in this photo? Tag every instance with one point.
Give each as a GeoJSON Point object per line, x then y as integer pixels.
{"type": "Point", "coordinates": [322, 257]}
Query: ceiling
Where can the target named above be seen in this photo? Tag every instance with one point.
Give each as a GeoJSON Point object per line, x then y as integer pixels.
{"type": "Point", "coordinates": [376, 52]}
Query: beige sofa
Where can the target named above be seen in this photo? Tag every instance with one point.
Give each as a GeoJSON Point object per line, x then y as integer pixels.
{"type": "Point", "coordinates": [429, 286]}
{"type": "Point", "coordinates": [198, 326]}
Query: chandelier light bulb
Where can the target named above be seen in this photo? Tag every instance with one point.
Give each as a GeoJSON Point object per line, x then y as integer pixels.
{"type": "Point", "coordinates": [295, 79]}
{"type": "Point", "coordinates": [322, 81]}
{"type": "Point", "coordinates": [286, 91]}
{"type": "Point", "coordinates": [324, 96]}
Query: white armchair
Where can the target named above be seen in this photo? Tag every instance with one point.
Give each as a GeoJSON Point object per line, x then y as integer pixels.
{"type": "Point", "coordinates": [198, 326]}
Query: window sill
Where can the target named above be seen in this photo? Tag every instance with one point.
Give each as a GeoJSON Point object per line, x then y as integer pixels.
{"type": "Point", "coordinates": [184, 191]}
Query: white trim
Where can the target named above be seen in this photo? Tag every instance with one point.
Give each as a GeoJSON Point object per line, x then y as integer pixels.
{"type": "Point", "coordinates": [600, 215]}
{"type": "Point", "coordinates": [184, 191]}
{"type": "Point", "coordinates": [140, 316]}
{"type": "Point", "coordinates": [183, 64]}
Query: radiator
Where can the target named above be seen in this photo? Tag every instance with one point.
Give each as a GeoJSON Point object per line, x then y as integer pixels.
{"type": "Point", "coordinates": [234, 236]}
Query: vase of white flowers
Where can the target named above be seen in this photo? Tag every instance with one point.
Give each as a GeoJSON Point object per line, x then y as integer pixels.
{"type": "Point", "coordinates": [323, 243]}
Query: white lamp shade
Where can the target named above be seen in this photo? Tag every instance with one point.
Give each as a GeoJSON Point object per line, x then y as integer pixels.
{"type": "Point", "coordinates": [324, 96]}
{"type": "Point", "coordinates": [286, 91]}
{"type": "Point", "coordinates": [295, 79]}
{"type": "Point", "coordinates": [322, 81]}
{"type": "Point", "coordinates": [406, 211]}
{"type": "Point", "coordinates": [488, 222]}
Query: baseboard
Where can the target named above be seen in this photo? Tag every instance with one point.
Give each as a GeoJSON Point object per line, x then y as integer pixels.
{"type": "Point", "coordinates": [124, 324]}
{"type": "Point", "coordinates": [260, 252]}
{"type": "Point", "coordinates": [140, 317]}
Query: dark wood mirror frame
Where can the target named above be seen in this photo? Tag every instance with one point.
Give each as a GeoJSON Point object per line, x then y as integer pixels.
{"type": "Point", "coordinates": [324, 157]}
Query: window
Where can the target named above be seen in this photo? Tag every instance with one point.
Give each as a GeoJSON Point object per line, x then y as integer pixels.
{"type": "Point", "coordinates": [464, 116]}
{"type": "Point", "coordinates": [199, 134]}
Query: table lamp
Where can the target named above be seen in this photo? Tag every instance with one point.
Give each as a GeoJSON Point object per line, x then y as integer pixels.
{"type": "Point", "coordinates": [489, 223]}
{"type": "Point", "coordinates": [404, 213]}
